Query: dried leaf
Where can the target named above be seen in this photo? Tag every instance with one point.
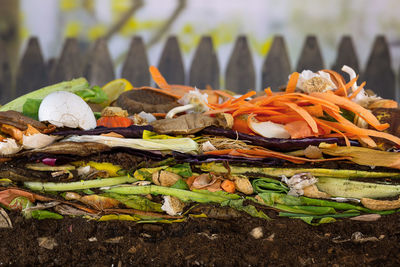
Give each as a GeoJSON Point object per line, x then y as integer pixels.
{"type": "Point", "coordinates": [5, 221]}
{"type": "Point", "coordinates": [8, 195]}
{"type": "Point", "coordinates": [70, 148]}
{"type": "Point", "coordinates": [189, 124]}
{"type": "Point", "coordinates": [358, 237]}
{"type": "Point", "coordinates": [364, 156]}
{"type": "Point", "coordinates": [207, 181]}
{"type": "Point", "coordinates": [71, 211]}
{"type": "Point", "coordinates": [99, 202]}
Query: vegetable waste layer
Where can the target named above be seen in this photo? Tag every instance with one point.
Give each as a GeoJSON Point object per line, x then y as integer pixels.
{"type": "Point", "coordinates": [315, 152]}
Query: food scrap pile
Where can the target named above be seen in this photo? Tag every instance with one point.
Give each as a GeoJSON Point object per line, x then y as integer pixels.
{"type": "Point", "coordinates": [318, 150]}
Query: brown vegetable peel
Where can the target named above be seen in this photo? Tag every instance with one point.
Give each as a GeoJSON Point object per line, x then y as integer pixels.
{"type": "Point", "coordinates": [375, 204]}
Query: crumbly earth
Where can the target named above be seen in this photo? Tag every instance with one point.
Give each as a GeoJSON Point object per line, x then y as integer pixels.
{"type": "Point", "coordinates": [199, 242]}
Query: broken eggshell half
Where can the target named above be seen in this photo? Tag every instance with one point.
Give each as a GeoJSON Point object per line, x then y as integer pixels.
{"type": "Point", "coordinates": [65, 109]}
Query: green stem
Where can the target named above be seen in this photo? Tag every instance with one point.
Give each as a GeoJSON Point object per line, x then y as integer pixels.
{"type": "Point", "coordinates": [80, 185]}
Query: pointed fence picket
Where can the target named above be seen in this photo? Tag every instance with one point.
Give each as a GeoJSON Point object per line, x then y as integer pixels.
{"type": "Point", "coordinates": [204, 69]}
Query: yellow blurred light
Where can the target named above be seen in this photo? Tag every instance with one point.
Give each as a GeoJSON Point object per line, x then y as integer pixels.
{"type": "Point", "coordinates": [96, 32]}
{"type": "Point", "coordinates": [73, 29]}
{"type": "Point", "coordinates": [68, 5]}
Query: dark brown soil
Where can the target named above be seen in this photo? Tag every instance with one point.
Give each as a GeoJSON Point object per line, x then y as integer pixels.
{"type": "Point", "coordinates": [200, 241]}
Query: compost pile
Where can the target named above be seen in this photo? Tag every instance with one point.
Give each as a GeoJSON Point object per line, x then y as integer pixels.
{"type": "Point", "coordinates": [320, 150]}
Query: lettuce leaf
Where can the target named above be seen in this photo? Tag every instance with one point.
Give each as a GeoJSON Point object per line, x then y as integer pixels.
{"type": "Point", "coordinates": [93, 95]}
{"type": "Point", "coordinates": [31, 108]}
{"type": "Point", "coordinates": [249, 209]}
{"type": "Point", "coordinates": [135, 202]}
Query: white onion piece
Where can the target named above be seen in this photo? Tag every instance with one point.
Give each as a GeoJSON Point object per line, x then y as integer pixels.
{"type": "Point", "coordinates": [269, 129]}
{"type": "Point", "coordinates": [9, 146]}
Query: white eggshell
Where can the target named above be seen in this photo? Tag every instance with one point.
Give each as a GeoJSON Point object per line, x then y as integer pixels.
{"type": "Point", "coordinates": [67, 109]}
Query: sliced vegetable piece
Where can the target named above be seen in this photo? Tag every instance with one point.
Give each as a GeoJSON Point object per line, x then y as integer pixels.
{"type": "Point", "coordinates": [278, 172]}
{"type": "Point", "coordinates": [354, 189]}
{"type": "Point", "coordinates": [46, 167]}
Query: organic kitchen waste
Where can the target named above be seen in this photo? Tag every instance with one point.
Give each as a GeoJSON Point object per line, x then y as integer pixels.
{"type": "Point", "coordinates": [319, 150]}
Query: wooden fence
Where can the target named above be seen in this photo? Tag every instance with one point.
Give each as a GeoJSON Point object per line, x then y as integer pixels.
{"type": "Point", "coordinates": [34, 72]}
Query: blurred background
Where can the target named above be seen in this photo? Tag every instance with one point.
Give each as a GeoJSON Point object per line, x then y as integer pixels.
{"type": "Point", "coordinates": [154, 20]}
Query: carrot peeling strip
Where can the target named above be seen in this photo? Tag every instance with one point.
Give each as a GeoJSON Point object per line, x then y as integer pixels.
{"type": "Point", "coordinates": [338, 79]}
{"type": "Point", "coordinates": [291, 86]}
{"type": "Point", "coordinates": [342, 91]}
{"type": "Point", "coordinates": [216, 111]}
{"type": "Point", "coordinates": [327, 125]}
{"type": "Point", "coordinates": [243, 97]}
{"type": "Point", "coordinates": [354, 107]}
{"type": "Point", "coordinates": [160, 115]}
{"type": "Point", "coordinates": [158, 78]}
{"type": "Point", "coordinates": [268, 91]}
{"type": "Point", "coordinates": [353, 129]}
{"type": "Point", "coordinates": [315, 110]}
{"type": "Point", "coordinates": [305, 115]}
{"type": "Point", "coordinates": [356, 92]}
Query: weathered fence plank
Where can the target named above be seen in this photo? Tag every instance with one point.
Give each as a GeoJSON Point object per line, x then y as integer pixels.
{"type": "Point", "coordinates": [136, 65]}
{"type": "Point", "coordinates": [379, 74]}
{"type": "Point", "coordinates": [99, 68]}
{"type": "Point", "coordinates": [32, 72]}
{"type": "Point", "coordinates": [346, 56]}
{"type": "Point", "coordinates": [205, 67]}
{"type": "Point", "coordinates": [240, 75]}
{"type": "Point", "coordinates": [310, 56]}
{"type": "Point", "coordinates": [69, 65]}
{"type": "Point", "coordinates": [5, 76]}
{"type": "Point", "coordinates": [171, 63]}
{"type": "Point", "coordinates": [276, 67]}
{"type": "Point", "coordinates": [51, 65]}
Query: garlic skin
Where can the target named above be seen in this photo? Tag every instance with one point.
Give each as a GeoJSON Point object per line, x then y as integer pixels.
{"type": "Point", "coordinates": [38, 140]}
{"type": "Point", "coordinates": [309, 81]}
{"type": "Point", "coordinates": [9, 146]}
{"type": "Point", "coordinates": [172, 205]}
{"type": "Point", "coordinates": [147, 116]}
{"type": "Point", "coordinates": [243, 185]}
{"type": "Point", "coordinates": [362, 98]}
{"type": "Point", "coordinates": [165, 178]}
{"type": "Point", "coordinates": [193, 101]}
{"type": "Point", "coordinates": [65, 109]}
{"type": "Point", "coordinates": [299, 181]}
{"type": "Point", "coordinates": [207, 146]}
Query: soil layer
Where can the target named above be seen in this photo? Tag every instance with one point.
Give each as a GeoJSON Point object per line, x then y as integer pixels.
{"type": "Point", "coordinates": [200, 242]}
